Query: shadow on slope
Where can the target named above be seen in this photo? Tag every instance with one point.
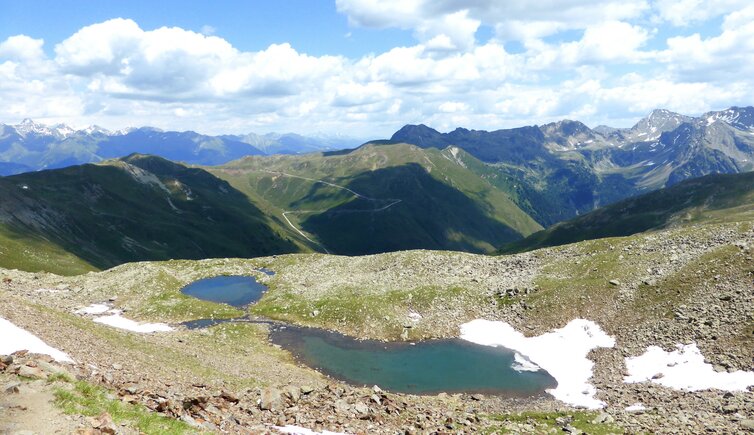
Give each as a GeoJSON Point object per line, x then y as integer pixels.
{"type": "Point", "coordinates": [113, 214]}
{"type": "Point", "coordinates": [688, 201]}
{"type": "Point", "coordinates": [430, 215]}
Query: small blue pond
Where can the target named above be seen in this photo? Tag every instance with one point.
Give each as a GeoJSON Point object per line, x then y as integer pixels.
{"type": "Point", "coordinates": [238, 291]}
{"type": "Point", "coordinates": [266, 271]}
{"type": "Point", "coordinates": [427, 367]}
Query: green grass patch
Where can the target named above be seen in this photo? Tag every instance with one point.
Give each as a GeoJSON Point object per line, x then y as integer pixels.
{"type": "Point", "coordinates": [91, 400]}
{"type": "Point", "coordinates": [35, 254]}
{"type": "Point", "coordinates": [578, 286]}
{"type": "Point", "coordinates": [355, 310]}
{"type": "Point", "coordinates": [177, 307]}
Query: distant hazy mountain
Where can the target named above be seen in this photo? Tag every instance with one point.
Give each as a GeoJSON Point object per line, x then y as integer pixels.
{"type": "Point", "coordinates": [33, 146]}
{"type": "Point", "coordinates": [291, 143]}
{"type": "Point", "coordinates": [559, 170]}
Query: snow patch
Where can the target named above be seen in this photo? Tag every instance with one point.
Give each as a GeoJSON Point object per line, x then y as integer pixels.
{"type": "Point", "coordinates": [683, 369]}
{"type": "Point", "coordinates": [15, 339]}
{"type": "Point", "coordinates": [93, 309]}
{"type": "Point", "coordinates": [636, 407]}
{"type": "Point", "coordinates": [118, 321]}
{"type": "Point", "coordinates": [522, 364]}
{"type": "Point", "coordinates": [296, 430]}
{"type": "Point", "coordinates": [562, 353]}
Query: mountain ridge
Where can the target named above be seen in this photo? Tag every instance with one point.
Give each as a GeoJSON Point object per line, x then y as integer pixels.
{"type": "Point", "coordinates": [715, 197]}
{"type": "Point", "coordinates": [34, 146]}
{"type": "Point", "coordinates": [564, 169]}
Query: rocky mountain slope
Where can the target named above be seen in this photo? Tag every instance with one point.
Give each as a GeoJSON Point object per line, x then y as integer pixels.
{"type": "Point", "coordinates": [714, 198]}
{"type": "Point", "coordinates": [690, 284]}
{"type": "Point", "coordinates": [560, 170]}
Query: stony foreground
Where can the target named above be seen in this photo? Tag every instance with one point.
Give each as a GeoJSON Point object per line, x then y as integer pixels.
{"type": "Point", "coordinates": [687, 285]}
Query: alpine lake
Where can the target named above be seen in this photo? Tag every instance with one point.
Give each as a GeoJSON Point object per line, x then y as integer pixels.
{"type": "Point", "coordinates": [424, 367]}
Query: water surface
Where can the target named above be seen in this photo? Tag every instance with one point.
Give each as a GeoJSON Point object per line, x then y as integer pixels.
{"type": "Point", "coordinates": [428, 367]}
{"type": "Point", "coordinates": [238, 291]}
{"type": "Point", "coordinates": [266, 271]}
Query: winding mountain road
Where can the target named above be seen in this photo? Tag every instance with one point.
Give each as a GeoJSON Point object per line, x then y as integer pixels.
{"type": "Point", "coordinates": [393, 201]}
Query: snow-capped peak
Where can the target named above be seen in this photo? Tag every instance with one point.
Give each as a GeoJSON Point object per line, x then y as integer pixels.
{"type": "Point", "coordinates": [96, 129]}
{"type": "Point", "coordinates": [62, 130]}
{"type": "Point", "coordinates": [28, 127]}
{"type": "Point", "coordinates": [739, 117]}
{"type": "Point", "coordinates": [658, 122]}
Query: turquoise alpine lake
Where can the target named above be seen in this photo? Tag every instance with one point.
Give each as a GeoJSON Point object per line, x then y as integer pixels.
{"type": "Point", "coordinates": [425, 367]}
{"type": "Point", "coordinates": [237, 291]}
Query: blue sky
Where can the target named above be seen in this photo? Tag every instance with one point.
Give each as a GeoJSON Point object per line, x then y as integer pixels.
{"type": "Point", "coordinates": [364, 68]}
{"type": "Point", "coordinates": [312, 26]}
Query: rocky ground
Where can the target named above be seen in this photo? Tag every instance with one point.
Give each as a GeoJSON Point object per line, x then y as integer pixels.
{"type": "Point", "coordinates": [693, 284]}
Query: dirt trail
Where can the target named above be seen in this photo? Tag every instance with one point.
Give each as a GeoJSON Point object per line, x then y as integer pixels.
{"type": "Point", "coordinates": [31, 410]}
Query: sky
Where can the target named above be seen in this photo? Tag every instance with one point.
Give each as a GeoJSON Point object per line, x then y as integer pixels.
{"type": "Point", "coordinates": [365, 68]}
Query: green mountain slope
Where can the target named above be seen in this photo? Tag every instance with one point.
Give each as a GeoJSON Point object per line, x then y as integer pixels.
{"type": "Point", "coordinates": [714, 198]}
{"type": "Point", "coordinates": [382, 198]}
{"type": "Point", "coordinates": [132, 209]}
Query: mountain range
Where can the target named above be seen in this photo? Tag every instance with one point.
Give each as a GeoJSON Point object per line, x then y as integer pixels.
{"type": "Point", "coordinates": [466, 190]}
{"type": "Point", "coordinates": [560, 170]}
{"type": "Point", "coordinates": [30, 146]}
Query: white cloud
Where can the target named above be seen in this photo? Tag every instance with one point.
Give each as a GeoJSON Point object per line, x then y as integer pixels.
{"type": "Point", "coordinates": [610, 68]}
{"type": "Point", "coordinates": [686, 12]}
{"type": "Point", "coordinates": [513, 19]}
{"type": "Point", "coordinates": [21, 47]}
{"type": "Point", "coordinates": [453, 107]}
{"type": "Point", "coordinates": [719, 58]}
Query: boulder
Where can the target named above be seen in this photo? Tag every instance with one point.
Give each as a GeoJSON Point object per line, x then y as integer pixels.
{"type": "Point", "coordinates": [228, 396]}
{"type": "Point", "coordinates": [360, 409]}
{"type": "Point", "coordinates": [272, 400]}
{"type": "Point", "coordinates": [306, 389]}
{"type": "Point", "coordinates": [603, 418]}
{"type": "Point", "coordinates": [52, 369]}
{"type": "Point", "coordinates": [11, 388]}
{"type": "Point", "coordinates": [341, 406]}
{"type": "Point", "coordinates": [32, 372]}
{"type": "Point", "coordinates": [104, 423]}
{"type": "Point", "coordinates": [293, 393]}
